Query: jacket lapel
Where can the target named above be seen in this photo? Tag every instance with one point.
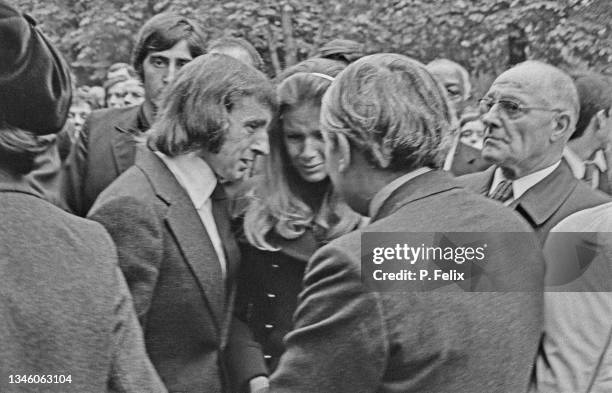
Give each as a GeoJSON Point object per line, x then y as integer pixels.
{"type": "Point", "coordinates": [189, 233]}
{"type": "Point", "coordinates": [123, 143]}
{"type": "Point", "coordinates": [541, 201]}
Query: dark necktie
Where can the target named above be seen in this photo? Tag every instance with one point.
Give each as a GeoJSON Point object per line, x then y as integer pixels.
{"type": "Point", "coordinates": [503, 191]}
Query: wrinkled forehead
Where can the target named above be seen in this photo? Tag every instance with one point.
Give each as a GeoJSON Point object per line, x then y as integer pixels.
{"type": "Point", "coordinates": [520, 83]}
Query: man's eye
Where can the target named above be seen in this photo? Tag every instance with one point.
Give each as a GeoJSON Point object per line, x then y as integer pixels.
{"type": "Point", "coordinates": [510, 107]}
{"type": "Point", "coordinates": [293, 137]}
{"type": "Point", "coordinates": [181, 63]}
{"type": "Point", "coordinates": [157, 62]}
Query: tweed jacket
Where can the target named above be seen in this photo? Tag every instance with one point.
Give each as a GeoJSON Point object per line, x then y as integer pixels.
{"type": "Point", "coordinates": [173, 272]}
{"type": "Point", "coordinates": [547, 203]}
{"type": "Point", "coordinates": [348, 338]}
{"type": "Point", "coordinates": [65, 309]}
{"type": "Point", "coordinates": [105, 149]}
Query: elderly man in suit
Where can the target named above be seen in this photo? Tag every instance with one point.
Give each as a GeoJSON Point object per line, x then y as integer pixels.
{"type": "Point", "coordinates": [168, 216]}
{"type": "Point", "coordinates": [107, 144]}
{"type": "Point", "coordinates": [384, 118]}
{"type": "Point", "coordinates": [65, 325]}
{"type": "Point", "coordinates": [530, 112]}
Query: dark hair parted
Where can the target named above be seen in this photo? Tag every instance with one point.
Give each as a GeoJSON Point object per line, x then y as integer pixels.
{"type": "Point", "coordinates": [196, 104]}
{"type": "Point", "coordinates": [240, 43]}
{"type": "Point", "coordinates": [162, 32]}
{"type": "Point", "coordinates": [19, 149]}
{"type": "Point", "coordinates": [595, 94]}
{"type": "Point", "coordinates": [392, 109]}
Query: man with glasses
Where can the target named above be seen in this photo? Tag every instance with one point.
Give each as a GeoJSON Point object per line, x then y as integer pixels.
{"type": "Point", "coordinates": [530, 112]}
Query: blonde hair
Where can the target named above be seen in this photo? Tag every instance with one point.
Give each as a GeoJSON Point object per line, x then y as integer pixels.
{"type": "Point", "coordinates": [276, 203]}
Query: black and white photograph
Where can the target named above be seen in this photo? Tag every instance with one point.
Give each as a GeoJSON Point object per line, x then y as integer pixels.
{"type": "Point", "coordinates": [283, 196]}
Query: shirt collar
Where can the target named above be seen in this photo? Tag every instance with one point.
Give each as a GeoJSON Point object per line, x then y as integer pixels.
{"type": "Point", "coordinates": [522, 184]}
{"type": "Point", "coordinates": [193, 174]}
{"type": "Point", "coordinates": [599, 160]}
{"type": "Point", "coordinates": [384, 193]}
{"type": "Point", "coordinates": [575, 163]}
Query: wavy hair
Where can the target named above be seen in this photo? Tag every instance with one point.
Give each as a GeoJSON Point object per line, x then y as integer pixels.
{"type": "Point", "coordinates": [197, 103]}
{"type": "Point", "coordinates": [393, 110]}
{"type": "Point", "coordinates": [277, 204]}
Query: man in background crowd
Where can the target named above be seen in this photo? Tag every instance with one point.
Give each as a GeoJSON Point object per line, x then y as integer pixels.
{"type": "Point", "coordinates": [107, 144]}
{"type": "Point", "coordinates": [591, 143]}
{"type": "Point", "coordinates": [65, 325]}
{"type": "Point", "coordinates": [530, 112]}
{"type": "Point", "coordinates": [456, 81]}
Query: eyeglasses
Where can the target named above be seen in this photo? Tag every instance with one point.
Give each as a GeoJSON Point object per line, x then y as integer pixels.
{"type": "Point", "coordinates": [511, 108]}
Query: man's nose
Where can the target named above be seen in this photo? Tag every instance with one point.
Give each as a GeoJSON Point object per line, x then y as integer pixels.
{"type": "Point", "coordinates": [260, 143]}
{"type": "Point", "coordinates": [491, 119]}
{"type": "Point", "coordinates": [171, 73]}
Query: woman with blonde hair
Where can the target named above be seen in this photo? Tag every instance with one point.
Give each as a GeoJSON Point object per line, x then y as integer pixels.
{"type": "Point", "coordinates": [293, 211]}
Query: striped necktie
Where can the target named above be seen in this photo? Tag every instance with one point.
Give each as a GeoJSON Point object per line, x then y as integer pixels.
{"type": "Point", "coordinates": [503, 191]}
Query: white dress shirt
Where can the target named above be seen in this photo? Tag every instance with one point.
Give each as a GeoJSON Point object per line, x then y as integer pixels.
{"type": "Point", "coordinates": [198, 179]}
{"type": "Point", "coordinates": [579, 167]}
{"type": "Point", "coordinates": [522, 184]}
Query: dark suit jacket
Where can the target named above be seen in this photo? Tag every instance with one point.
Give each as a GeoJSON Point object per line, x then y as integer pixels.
{"type": "Point", "coordinates": [105, 149]}
{"type": "Point", "coordinates": [173, 272]}
{"type": "Point", "coordinates": [64, 306]}
{"type": "Point", "coordinates": [348, 338]}
{"type": "Point", "coordinates": [547, 203]}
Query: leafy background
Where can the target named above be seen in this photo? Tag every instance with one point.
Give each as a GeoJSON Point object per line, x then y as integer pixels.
{"type": "Point", "coordinates": [480, 34]}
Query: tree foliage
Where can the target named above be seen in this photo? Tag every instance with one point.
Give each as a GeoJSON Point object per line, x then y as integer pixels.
{"type": "Point", "coordinates": [569, 33]}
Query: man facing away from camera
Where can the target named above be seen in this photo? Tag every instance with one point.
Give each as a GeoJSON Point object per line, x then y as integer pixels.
{"type": "Point", "coordinates": [168, 216]}
{"type": "Point", "coordinates": [383, 119]}
{"type": "Point", "coordinates": [107, 145]}
{"type": "Point", "coordinates": [65, 325]}
{"type": "Point", "coordinates": [530, 112]}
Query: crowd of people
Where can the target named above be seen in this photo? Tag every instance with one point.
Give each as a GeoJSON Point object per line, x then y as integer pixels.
{"type": "Point", "coordinates": [194, 226]}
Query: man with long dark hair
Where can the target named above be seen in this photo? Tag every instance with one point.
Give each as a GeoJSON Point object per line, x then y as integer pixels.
{"type": "Point", "coordinates": [107, 145]}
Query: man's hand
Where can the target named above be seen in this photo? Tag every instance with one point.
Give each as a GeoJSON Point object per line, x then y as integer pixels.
{"type": "Point", "coordinates": [259, 384]}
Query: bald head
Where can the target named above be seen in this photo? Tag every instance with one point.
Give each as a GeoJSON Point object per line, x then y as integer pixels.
{"type": "Point", "coordinates": [455, 79]}
{"type": "Point", "coordinates": [530, 111]}
{"type": "Point", "coordinates": [547, 83]}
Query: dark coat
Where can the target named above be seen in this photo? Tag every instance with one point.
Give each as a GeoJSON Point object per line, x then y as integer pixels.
{"type": "Point", "coordinates": [105, 148]}
{"type": "Point", "coordinates": [268, 286]}
{"type": "Point", "coordinates": [173, 272]}
{"type": "Point", "coordinates": [548, 202]}
{"type": "Point", "coordinates": [65, 308]}
{"type": "Point", "coordinates": [349, 339]}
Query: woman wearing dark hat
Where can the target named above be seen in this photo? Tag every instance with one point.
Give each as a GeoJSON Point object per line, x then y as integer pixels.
{"type": "Point", "coordinates": [65, 325]}
{"type": "Point", "coordinates": [293, 211]}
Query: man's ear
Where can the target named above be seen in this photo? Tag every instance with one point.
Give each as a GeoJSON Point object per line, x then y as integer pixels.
{"type": "Point", "coordinates": [344, 151]}
{"type": "Point", "coordinates": [561, 126]}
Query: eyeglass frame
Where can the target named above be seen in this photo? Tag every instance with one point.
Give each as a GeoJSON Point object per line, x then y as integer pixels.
{"type": "Point", "coordinates": [520, 108]}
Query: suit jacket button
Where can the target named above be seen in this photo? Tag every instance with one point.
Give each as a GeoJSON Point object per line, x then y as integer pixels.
{"type": "Point", "coordinates": [267, 357]}
{"type": "Point", "coordinates": [269, 326]}
{"type": "Point", "coordinates": [275, 266]}
{"type": "Point", "coordinates": [271, 296]}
